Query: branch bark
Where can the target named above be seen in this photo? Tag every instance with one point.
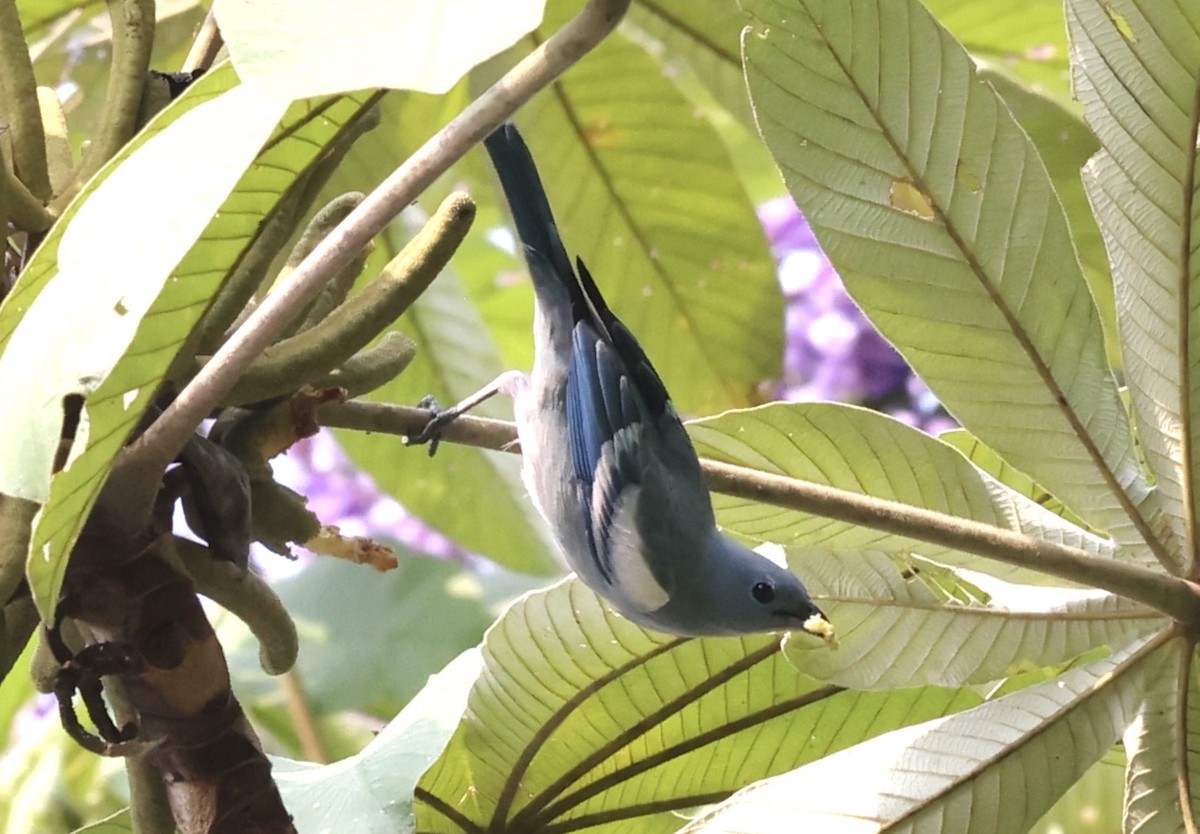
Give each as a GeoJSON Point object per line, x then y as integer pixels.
{"type": "Point", "coordinates": [1175, 597]}
{"type": "Point", "coordinates": [578, 36]}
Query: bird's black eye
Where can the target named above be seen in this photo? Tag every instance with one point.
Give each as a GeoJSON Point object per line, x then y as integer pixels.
{"type": "Point", "coordinates": [763, 592]}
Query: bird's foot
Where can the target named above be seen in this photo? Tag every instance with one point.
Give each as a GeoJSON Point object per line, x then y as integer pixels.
{"type": "Point", "coordinates": [438, 420]}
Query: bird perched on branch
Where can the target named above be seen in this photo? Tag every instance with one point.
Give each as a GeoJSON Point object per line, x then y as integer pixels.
{"type": "Point", "coordinates": [608, 462]}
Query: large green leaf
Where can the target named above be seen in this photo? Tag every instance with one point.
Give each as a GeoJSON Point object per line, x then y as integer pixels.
{"type": "Point", "coordinates": [1064, 143]}
{"type": "Point", "coordinates": [1136, 75]}
{"type": "Point", "coordinates": [371, 792]}
{"type": "Point", "coordinates": [36, 14]}
{"type": "Point", "coordinates": [128, 281]}
{"type": "Point", "coordinates": [862, 451]}
{"type": "Point", "coordinates": [941, 218]}
{"type": "Point", "coordinates": [302, 48]}
{"type": "Point", "coordinates": [1167, 723]}
{"type": "Point", "coordinates": [996, 768]}
{"type": "Point", "coordinates": [904, 622]}
{"type": "Point", "coordinates": [435, 611]}
{"type": "Point", "coordinates": [118, 823]}
{"type": "Point", "coordinates": [705, 33]}
{"type": "Point", "coordinates": [582, 719]}
{"type": "Point", "coordinates": [646, 194]}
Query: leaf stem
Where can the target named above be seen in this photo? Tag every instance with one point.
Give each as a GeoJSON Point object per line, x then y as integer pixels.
{"type": "Point", "coordinates": [149, 807]}
{"type": "Point", "coordinates": [299, 709]}
{"type": "Point", "coordinates": [205, 47]}
{"type": "Point", "coordinates": [17, 203]}
{"type": "Point", "coordinates": [577, 37]}
{"type": "Point", "coordinates": [19, 103]}
{"type": "Point", "coordinates": [1175, 597]}
{"type": "Point", "coordinates": [132, 41]}
{"type": "Point", "coordinates": [1183, 767]}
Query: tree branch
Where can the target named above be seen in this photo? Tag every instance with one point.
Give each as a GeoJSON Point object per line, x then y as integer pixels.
{"type": "Point", "coordinates": [132, 41]}
{"type": "Point", "coordinates": [578, 36]}
{"type": "Point", "coordinates": [19, 102]}
{"type": "Point", "coordinates": [1173, 596]}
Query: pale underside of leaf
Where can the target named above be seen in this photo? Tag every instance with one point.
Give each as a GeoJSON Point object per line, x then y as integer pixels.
{"type": "Point", "coordinates": [995, 768]}
{"type": "Point", "coordinates": [862, 451]}
{"type": "Point", "coordinates": [114, 250]}
{"type": "Point", "coordinates": [1137, 73]}
{"type": "Point", "coordinates": [581, 718]}
{"type": "Point", "coordinates": [1167, 723]}
{"type": "Point", "coordinates": [936, 209]}
{"type": "Point", "coordinates": [905, 623]}
{"type": "Point", "coordinates": [301, 48]}
{"type": "Point", "coordinates": [986, 459]}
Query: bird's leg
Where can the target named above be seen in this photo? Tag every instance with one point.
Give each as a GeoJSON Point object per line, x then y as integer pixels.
{"type": "Point", "coordinates": [506, 383]}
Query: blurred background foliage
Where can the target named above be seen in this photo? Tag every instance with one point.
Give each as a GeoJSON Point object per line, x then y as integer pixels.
{"type": "Point", "coordinates": [698, 197]}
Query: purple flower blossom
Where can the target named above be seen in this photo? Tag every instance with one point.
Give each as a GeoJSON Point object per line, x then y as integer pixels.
{"type": "Point", "coordinates": [832, 351]}
{"type": "Point", "coordinates": [342, 495]}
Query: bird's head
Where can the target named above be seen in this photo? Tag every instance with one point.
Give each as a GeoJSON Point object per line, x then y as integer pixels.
{"type": "Point", "coordinates": [752, 594]}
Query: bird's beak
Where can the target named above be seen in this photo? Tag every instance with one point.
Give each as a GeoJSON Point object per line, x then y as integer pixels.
{"type": "Point", "coordinates": [817, 624]}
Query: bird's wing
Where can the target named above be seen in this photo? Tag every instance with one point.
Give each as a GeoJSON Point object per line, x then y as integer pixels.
{"type": "Point", "coordinates": [609, 431]}
{"type": "Point", "coordinates": [628, 353]}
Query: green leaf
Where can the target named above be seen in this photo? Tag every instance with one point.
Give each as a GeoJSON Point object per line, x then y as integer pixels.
{"type": "Point", "coordinates": [908, 623]}
{"type": "Point", "coordinates": [994, 465]}
{"type": "Point", "coordinates": [580, 718]}
{"type": "Point", "coordinates": [1167, 722]}
{"type": "Point", "coordinates": [646, 194]}
{"type": "Point", "coordinates": [1065, 144]}
{"type": "Point", "coordinates": [158, 272]}
{"type": "Point", "coordinates": [862, 451]}
{"type": "Point", "coordinates": [704, 33]}
{"type": "Point", "coordinates": [1136, 78]}
{"type": "Point", "coordinates": [301, 48]}
{"type": "Point", "coordinates": [355, 660]}
{"type": "Point", "coordinates": [995, 768]}
{"type": "Point", "coordinates": [372, 791]}
{"type": "Point", "coordinates": [980, 289]}
{"type": "Point", "coordinates": [1093, 804]}
{"type": "Point", "coordinates": [36, 14]}
{"type": "Point", "coordinates": [1025, 38]}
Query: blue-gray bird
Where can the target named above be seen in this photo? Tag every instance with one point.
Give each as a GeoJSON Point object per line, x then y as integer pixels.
{"type": "Point", "coordinates": [608, 462]}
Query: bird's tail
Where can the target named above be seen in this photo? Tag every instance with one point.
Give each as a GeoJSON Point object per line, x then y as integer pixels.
{"type": "Point", "coordinates": [527, 199]}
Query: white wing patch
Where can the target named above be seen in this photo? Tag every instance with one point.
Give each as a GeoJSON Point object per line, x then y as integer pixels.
{"type": "Point", "coordinates": [630, 570]}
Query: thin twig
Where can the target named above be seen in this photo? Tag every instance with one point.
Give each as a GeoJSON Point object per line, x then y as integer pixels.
{"type": "Point", "coordinates": [1173, 596]}
{"type": "Point", "coordinates": [132, 41]}
{"type": "Point", "coordinates": [207, 44]}
{"type": "Point", "coordinates": [18, 204]}
{"type": "Point", "coordinates": [160, 443]}
{"type": "Point", "coordinates": [312, 747]}
{"type": "Point", "coordinates": [19, 102]}
{"type": "Point", "coordinates": [1181, 721]}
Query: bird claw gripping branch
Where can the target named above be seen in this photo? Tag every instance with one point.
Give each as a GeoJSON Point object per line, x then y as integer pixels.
{"type": "Point", "coordinates": [81, 672]}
